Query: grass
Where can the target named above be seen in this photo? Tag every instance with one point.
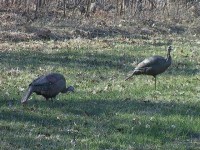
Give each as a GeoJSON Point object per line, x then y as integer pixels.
{"type": "Point", "coordinates": [105, 112]}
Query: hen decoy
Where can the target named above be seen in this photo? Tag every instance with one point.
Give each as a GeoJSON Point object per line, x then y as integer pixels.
{"type": "Point", "coordinates": [48, 86]}
{"type": "Point", "coordinates": [153, 65]}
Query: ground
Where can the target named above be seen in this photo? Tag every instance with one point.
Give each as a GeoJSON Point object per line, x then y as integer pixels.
{"type": "Point", "coordinates": [105, 112]}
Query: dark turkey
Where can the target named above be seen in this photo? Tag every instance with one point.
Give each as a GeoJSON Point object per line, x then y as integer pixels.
{"type": "Point", "coordinates": [48, 86]}
{"type": "Point", "coordinates": [153, 66]}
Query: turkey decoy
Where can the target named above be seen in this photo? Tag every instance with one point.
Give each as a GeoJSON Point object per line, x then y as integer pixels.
{"type": "Point", "coordinates": [153, 66]}
{"type": "Point", "coordinates": [48, 86]}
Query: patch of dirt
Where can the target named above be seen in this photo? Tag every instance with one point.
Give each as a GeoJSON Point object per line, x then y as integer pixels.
{"type": "Point", "coordinates": [99, 32]}
{"type": "Point", "coordinates": [16, 36]}
{"type": "Point", "coordinates": [15, 27]}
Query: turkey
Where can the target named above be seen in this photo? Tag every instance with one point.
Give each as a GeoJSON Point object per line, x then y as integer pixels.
{"type": "Point", "coordinates": [48, 86]}
{"type": "Point", "coordinates": [153, 66]}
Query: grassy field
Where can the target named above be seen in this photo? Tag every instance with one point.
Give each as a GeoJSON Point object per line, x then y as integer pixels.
{"type": "Point", "coordinates": [105, 112]}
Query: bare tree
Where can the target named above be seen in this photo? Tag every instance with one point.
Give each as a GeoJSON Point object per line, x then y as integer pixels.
{"type": "Point", "coordinates": [64, 8]}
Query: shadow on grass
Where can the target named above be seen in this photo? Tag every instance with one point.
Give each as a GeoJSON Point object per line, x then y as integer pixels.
{"type": "Point", "coordinates": [96, 108]}
{"type": "Point", "coordinates": [101, 106]}
{"type": "Point", "coordinates": [33, 141]}
{"type": "Point", "coordinates": [74, 59]}
{"type": "Point", "coordinates": [30, 60]}
{"type": "Point", "coordinates": [106, 116]}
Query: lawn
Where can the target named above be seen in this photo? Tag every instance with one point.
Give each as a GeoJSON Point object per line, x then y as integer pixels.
{"type": "Point", "coordinates": [105, 112]}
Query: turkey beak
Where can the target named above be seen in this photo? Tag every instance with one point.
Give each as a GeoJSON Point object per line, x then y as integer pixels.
{"type": "Point", "coordinates": [72, 89]}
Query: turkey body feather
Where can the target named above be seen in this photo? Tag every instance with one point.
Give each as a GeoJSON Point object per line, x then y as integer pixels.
{"type": "Point", "coordinates": [48, 86]}
{"type": "Point", "coordinates": [153, 65]}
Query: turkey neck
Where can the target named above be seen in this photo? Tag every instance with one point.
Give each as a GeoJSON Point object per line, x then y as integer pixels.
{"type": "Point", "coordinates": [168, 56]}
{"type": "Point", "coordinates": [64, 91]}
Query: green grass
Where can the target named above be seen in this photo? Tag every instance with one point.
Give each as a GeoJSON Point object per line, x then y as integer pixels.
{"type": "Point", "coordinates": [105, 112]}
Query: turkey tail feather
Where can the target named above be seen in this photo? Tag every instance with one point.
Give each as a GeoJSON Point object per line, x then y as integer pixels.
{"type": "Point", "coordinates": [135, 72]}
{"type": "Point", "coordinates": [27, 95]}
{"type": "Point", "coordinates": [129, 77]}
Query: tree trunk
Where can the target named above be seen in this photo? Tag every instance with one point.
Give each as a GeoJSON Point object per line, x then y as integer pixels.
{"type": "Point", "coordinates": [64, 8]}
{"type": "Point", "coordinates": [37, 7]}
